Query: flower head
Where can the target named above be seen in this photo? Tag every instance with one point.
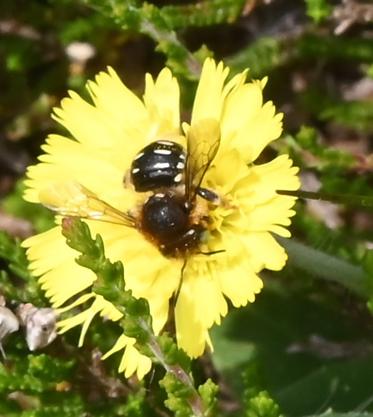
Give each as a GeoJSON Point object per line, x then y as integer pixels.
{"type": "Point", "coordinates": [89, 175]}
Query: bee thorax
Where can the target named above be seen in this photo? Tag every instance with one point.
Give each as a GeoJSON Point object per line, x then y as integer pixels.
{"type": "Point", "coordinates": [160, 164]}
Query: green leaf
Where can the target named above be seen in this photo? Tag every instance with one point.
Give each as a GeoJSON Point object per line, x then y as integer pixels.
{"type": "Point", "coordinates": [310, 353]}
{"type": "Point", "coordinates": [178, 396]}
{"type": "Point", "coordinates": [202, 13]}
{"type": "Point", "coordinates": [262, 405]}
{"type": "Point", "coordinates": [11, 251]}
{"type": "Point", "coordinates": [261, 57]}
{"type": "Point", "coordinates": [318, 10]}
{"type": "Point", "coordinates": [149, 20]}
{"type": "Point", "coordinates": [330, 48]}
{"type": "Point", "coordinates": [208, 392]}
{"type": "Point", "coordinates": [16, 282]}
{"type": "Point", "coordinates": [136, 320]}
{"type": "Point", "coordinates": [322, 265]}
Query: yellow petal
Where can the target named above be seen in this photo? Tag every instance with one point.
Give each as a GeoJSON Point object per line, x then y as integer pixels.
{"type": "Point", "coordinates": [67, 160]}
{"type": "Point", "coordinates": [156, 280]}
{"type": "Point", "coordinates": [239, 282]}
{"type": "Point", "coordinates": [84, 318]}
{"type": "Point", "coordinates": [85, 123]}
{"type": "Point", "coordinates": [209, 100]}
{"type": "Point", "coordinates": [200, 304]}
{"type": "Point", "coordinates": [112, 98]}
{"type": "Point", "coordinates": [117, 122]}
{"type": "Point", "coordinates": [190, 333]}
{"type": "Point", "coordinates": [278, 174]}
{"type": "Point", "coordinates": [120, 344]}
{"type": "Point", "coordinates": [247, 124]}
{"type": "Point", "coordinates": [132, 360]}
{"type": "Point", "coordinates": [161, 99]}
{"type": "Point", "coordinates": [241, 105]}
{"type": "Point", "coordinates": [62, 277]}
{"type": "Point", "coordinates": [78, 319]}
{"type": "Point", "coordinates": [200, 279]}
{"type": "Point", "coordinates": [264, 251]}
{"type": "Point", "coordinates": [220, 174]}
{"type": "Point", "coordinates": [81, 300]}
{"type": "Point", "coordinates": [276, 211]}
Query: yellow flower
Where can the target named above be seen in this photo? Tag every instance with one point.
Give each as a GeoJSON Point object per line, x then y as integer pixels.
{"type": "Point", "coordinates": [237, 232]}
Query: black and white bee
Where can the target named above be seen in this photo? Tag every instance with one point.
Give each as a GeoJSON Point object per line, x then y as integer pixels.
{"type": "Point", "coordinates": [171, 176]}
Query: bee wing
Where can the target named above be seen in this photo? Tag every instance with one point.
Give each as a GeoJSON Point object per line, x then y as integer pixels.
{"type": "Point", "coordinates": [72, 199]}
{"type": "Point", "coordinates": [203, 140]}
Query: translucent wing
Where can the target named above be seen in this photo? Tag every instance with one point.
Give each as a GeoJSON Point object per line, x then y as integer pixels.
{"type": "Point", "coordinates": [72, 199]}
{"type": "Point", "coordinates": [203, 140]}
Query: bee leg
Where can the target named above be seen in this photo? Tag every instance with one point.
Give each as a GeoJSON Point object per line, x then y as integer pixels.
{"type": "Point", "coordinates": [213, 252]}
{"type": "Point", "coordinates": [183, 243]}
{"type": "Point", "coordinates": [175, 297]}
{"type": "Point", "coordinates": [177, 292]}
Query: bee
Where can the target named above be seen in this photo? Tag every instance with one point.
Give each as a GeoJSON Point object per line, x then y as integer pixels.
{"type": "Point", "coordinates": [172, 178]}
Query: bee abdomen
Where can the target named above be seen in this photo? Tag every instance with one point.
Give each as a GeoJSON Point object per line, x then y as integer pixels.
{"type": "Point", "coordinates": [163, 217]}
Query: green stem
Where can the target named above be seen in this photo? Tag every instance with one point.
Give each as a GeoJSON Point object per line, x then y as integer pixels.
{"type": "Point", "coordinates": [195, 402]}
{"type": "Point", "coordinates": [169, 44]}
{"type": "Point", "coordinates": [136, 320]}
{"type": "Point", "coordinates": [149, 20]}
{"type": "Point", "coordinates": [354, 200]}
{"type": "Point", "coordinates": [327, 267]}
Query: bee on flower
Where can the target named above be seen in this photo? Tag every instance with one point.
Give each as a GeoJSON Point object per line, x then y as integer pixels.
{"type": "Point", "coordinates": [182, 205]}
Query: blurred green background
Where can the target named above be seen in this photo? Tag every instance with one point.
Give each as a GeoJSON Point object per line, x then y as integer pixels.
{"type": "Point", "coordinates": [308, 338]}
